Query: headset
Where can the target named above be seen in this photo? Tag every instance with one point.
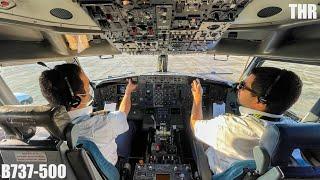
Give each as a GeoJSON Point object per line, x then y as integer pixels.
{"type": "Point", "coordinates": [75, 100]}
{"type": "Point", "coordinates": [263, 99]}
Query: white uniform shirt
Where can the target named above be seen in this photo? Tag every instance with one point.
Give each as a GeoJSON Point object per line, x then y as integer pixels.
{"type": "Point", "coordinates": [232, 138]}
{"type": "Point", "coordinates": [101, 129]}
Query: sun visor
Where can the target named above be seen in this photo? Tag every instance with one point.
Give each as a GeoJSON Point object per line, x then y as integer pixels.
{"type": "Point", "coordinates": [77, 42]}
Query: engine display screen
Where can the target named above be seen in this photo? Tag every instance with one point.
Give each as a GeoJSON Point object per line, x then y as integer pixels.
{"type": "Point", "coordinates": [162, 176]}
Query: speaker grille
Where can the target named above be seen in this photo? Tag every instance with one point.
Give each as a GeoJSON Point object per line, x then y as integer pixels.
{"type": "Point", "coordinates": [269, 11]}
{"type": "Point", "coordinates": [61, 13]}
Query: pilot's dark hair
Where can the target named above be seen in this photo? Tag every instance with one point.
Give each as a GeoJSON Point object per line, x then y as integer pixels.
{"type": "Point", "coordinates": [54, 87]}
{"type": "Point", "coordinates": [283, 94]}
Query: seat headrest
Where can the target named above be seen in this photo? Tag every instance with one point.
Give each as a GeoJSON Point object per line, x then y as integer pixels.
{"type": "Point", "coordinates": [54, 119]}
{"type": "Point", "coordinates": [281, 139]}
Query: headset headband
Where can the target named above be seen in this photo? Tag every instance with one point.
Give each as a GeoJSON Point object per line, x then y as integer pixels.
{"type": "Point", "coordinates": [263, 98]}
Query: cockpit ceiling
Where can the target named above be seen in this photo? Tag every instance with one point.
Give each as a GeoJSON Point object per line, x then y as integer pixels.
{"type": "Point", "coordinates": [178, 26]}
{"type": "Point", "coordinates": [48, 14]}
{"type": "Point", "coordinates": [33, 30]}
{"type": "Point", "coordinates": [297, 42]}
{"type": "Point", "coordinates": [270, 12]}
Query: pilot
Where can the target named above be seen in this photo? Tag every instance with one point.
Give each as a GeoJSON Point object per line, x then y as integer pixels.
{"type": "Point", "coordinates": [69, 86]}
{"type": "Point", "coordinates": [264, 96]}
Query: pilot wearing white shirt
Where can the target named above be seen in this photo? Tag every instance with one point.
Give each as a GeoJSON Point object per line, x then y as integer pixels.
{"type": "Point", "coordinates": [264, 96]}
{"type": "Point", "coordinates": [68, 85]}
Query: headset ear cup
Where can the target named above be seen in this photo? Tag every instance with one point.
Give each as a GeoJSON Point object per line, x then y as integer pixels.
{"type": "Point", "coordinates": [75, 101]}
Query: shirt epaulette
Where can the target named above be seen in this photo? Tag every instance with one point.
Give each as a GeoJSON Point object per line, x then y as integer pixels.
{"type": "Point", "coordinates": [266, 118]}
{"type": "Point", "coordinates": [102, 112]}
{"type": "Point", "coordinates": [257, 116]}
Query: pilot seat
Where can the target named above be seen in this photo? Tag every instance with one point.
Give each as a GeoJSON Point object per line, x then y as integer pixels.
{"type": "Point", "coordinates": [82, 158]}
{"type": "Point", "coordinates": [278, 155]}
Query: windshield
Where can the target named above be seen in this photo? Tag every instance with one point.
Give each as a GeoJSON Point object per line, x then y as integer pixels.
{"type": "Point", "coordinates": [221, 67]}
{"type": "Point", "coordinates": [25, 78]}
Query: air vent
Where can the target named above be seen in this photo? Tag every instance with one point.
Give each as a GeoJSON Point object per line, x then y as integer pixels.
{"type": "Point", "coordinates": [61, 13]}
{"type": "Point", "coordinates": [269, 11]}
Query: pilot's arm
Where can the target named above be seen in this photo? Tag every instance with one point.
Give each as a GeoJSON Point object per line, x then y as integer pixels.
{"type": "Point", "coordinates": [196, 113]}
{"type": "Point", "coordinates": [125, 104]}
{"type": "Point", "coordinates": [208, 131]}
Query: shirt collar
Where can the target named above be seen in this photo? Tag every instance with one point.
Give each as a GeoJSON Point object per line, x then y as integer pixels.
{"type": "Point", "coordinates": [80, 112]}
{"type": "Point", "coordinates": [247, 111]}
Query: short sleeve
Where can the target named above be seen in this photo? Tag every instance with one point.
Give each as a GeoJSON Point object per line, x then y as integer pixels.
{"type": "Point", "coordinates": [118, 122]}
{"type": "Point", "coordinates": [208, 131]}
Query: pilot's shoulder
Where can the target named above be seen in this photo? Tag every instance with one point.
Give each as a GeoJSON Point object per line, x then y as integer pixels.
{"type": "Point", "coordinates": [105, 115]}
{"type": "Point", "coordinates": [116, 115]}
{"type": "Point", "coordinates": [100, 120]}
{"type": "Point", "coordinates": [229, 116]}
{"type": "Point", "coordinates": [218, 120]}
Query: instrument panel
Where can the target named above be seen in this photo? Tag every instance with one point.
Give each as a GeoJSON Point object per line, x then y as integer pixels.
{"type": "Point", "coordinates": [161, 98]}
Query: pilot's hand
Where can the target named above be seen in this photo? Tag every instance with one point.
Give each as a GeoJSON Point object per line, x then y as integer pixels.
{"type": "Point", "coordinates": [130, 87]}
{"type": "Point", "coordinates": [197, 91]}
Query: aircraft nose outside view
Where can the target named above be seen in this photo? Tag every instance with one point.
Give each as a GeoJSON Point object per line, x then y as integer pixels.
{"type": "Point", "coordinates": [159, 89]}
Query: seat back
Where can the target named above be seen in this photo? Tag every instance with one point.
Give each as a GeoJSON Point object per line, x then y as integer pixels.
{"type": "Point", "coordinates": [105, 168]}
{"type": "Point", "coordinates": [281, 139]}
{"type": "Point", "coordinates": [102, 166]}
{"type": "Point", "coordinates": [82, 165]}
{"type": "Point", "coordinates": [273, 155]}
{"type": "Point", "coordinates": [236, 171]}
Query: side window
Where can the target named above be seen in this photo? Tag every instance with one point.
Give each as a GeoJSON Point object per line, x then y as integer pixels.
{"type": "Point", "coordinates": [310, 77]}
{"type": "Point", "coordinates": [23, 80]}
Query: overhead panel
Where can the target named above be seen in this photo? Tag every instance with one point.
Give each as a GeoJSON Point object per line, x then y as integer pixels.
{"type": "Point", "coordinates": [157, 26]}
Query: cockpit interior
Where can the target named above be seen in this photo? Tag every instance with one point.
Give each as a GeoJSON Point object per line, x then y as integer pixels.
{"type": "Point", "coordinates": [163, 147]}
{"type": "Point", "coordinates": [162, 106]}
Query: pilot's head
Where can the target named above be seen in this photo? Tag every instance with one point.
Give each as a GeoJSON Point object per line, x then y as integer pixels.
{"type": "Point", "coordinates": [270, 90]}
{"type": "Point", "coordinates": [58, 84]}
